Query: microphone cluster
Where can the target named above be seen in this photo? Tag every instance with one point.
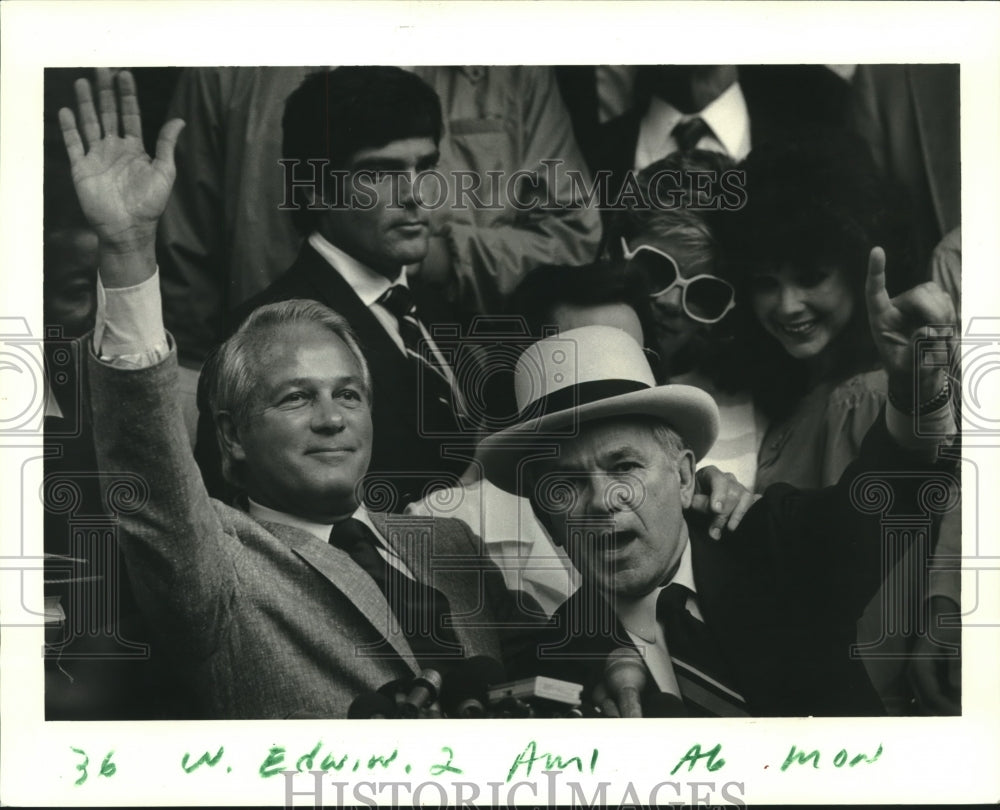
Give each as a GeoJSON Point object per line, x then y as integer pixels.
{"type": "Point", "coordinates": [477, 689]}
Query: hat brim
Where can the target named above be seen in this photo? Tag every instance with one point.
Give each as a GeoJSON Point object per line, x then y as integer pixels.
{"type": "Point", "coordinates": [689, 411]}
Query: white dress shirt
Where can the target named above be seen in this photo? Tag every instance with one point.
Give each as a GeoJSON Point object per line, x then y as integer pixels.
{"type": "Point", "coordinates": [638, 617]}
{"type": "Point", "coordinates": [321, 531]}
{"type": "Point", "coordinates": [369, 287]}
{"type": "Point", "coordinates": [727, 117]}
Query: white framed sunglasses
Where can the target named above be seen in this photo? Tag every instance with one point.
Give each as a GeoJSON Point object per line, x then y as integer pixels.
{"type": "Point", "coordinates": [705, 298]}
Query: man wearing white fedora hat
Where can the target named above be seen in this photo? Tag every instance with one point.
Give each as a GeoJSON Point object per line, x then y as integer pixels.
{"type": "Point", "coordinates": [760, 623]}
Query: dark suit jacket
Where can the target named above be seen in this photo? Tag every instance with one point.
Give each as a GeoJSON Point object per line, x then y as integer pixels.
{"type": "Point", "coordinates": [782, 594]}
{"type": "Point", "coordinates": [409, 429]}
{"type": "Point", "coordinates": [265, 620]}
{"type": "Point", "coordinates": [780, 99]}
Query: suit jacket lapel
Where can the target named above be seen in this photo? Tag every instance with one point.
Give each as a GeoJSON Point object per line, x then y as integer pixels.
{"type": "Point", "coordinates": [412, 537]}
{"type": "Point", "coordinates": [343, 573]}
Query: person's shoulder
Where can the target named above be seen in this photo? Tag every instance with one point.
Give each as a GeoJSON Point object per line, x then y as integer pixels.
{"type": "Point", "coordinates": [866, 385]}
{"type": "Point", "coordinates": [446, 532]}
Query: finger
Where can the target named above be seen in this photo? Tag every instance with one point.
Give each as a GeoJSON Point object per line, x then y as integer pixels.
{"type": "Point", "coordinates": [131, 121]}
{"type": "Point", "coordinates": [106, 103]}
{"type": "Point", "coordinates": [875, 292]}
{"type": "Point", "coordinates": [89, 124]}
{"type": "Point", "coordinates": [74, 146]}
{"type": "Point", "coordinates": [700, 503]}
{"type": "Point", "coordinates": [741, 509]}
{"type": "Point", "coordinates": [925, 305]}
{"type": "Point", "coordinates": [166, 143]}
{"type": "Point", "coordinates": [723, 507]}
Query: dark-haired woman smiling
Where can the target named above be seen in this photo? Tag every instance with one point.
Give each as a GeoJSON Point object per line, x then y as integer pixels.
{"type": "Point", "coordinates": [799, 255]}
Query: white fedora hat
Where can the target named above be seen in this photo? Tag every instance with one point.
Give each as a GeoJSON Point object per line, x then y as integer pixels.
{"type": "Point", "coordinates": [594, 372]}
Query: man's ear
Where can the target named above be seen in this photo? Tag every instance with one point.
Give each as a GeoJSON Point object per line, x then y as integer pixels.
{"type": "Point", "coordinates": [685, 471]}
{"type": "Point", "coordinates": [229, 436]}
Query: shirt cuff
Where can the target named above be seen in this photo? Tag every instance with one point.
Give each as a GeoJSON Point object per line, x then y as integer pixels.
{"type": "Point", "coordinates": [935, 427]}
{"type": "Point", "coordinates": [128, 329]}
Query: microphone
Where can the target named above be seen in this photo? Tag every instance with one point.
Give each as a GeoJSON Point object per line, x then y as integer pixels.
{"type": "Point", "coordinates": [664, 704]}
{"type": "Point", "coordinates": [394, 690]}
{"type": "Point", "coordinates": [423, 691]}
{"type": "Point", "coordinates": [371, 705]}
{"type": "Point", "coordinates": [603, 701]}
{"type": "Point", "coordinates": [625, 676]}
{"type": "Point", "coordinates": [463, 694]}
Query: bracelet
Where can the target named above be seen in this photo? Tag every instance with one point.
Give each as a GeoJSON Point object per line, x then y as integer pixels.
{"type": "Point", "coordinates": [939, 400]}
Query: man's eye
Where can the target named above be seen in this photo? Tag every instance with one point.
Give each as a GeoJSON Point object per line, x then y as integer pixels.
{"type": "Point", "coordinates": [625, 466]}
{"type": "Point", "coordinates": [293, 398]}
{"type": "Point", "coordinates": [350, 395]}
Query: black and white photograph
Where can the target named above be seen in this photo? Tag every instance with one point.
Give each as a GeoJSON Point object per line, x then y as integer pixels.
{"type": "Point", "coordinates": [638, 394]}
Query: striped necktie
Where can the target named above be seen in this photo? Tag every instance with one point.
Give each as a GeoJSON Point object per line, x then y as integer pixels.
{"type": "Point", "coordinates": [699, 665]}
{"type": "Point", "coordinates": [399, 301]}
{"type": "Point", "coordinates": [688, 133]}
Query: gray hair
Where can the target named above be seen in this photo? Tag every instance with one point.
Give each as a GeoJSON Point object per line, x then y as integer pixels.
{"type": "Point", "coordinates": [668, 439]}
{"type": "Point", "coordinates": [230, 375]}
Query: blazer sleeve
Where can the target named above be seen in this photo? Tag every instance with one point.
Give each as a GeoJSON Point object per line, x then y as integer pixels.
{"type": "Point", "coordinates": [171, 535]}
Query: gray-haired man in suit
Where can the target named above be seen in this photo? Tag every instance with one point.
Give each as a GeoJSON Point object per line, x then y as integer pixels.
{"type": "Point", "coordinates": [302, 599]}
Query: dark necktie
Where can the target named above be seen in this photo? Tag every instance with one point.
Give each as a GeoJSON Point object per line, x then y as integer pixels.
{"type": "Point", "coordinates": [699, 666]}
{"type": "Point", "coordinates": [399, 301]}
{"type": "Point", "coordinates": [688, 133]}
{"type": "Point", "coordinates": [418, 608]}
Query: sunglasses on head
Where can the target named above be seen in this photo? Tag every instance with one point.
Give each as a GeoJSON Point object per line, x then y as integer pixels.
{"type": "Point", "coordinates": [705, 298]}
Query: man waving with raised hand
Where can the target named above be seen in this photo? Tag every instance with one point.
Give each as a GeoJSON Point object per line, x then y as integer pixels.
{"type": "Point", "coordinates": [300, 599]}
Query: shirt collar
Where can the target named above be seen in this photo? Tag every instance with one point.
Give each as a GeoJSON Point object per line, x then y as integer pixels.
{"type": "Point", "coordinates": [366, 283]}
{"type": "Point", "coordinates": [730, 121]}
{"type": "Point", "coordinates": [320, 531]}
{"type": "Point", "coordinates": [638, 616]}
{"type": "Point", "coordinates": [727, 116]}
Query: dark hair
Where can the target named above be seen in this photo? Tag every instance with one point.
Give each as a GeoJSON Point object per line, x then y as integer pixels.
{"type": "Point", "coordinates": [545, 288]}
{"type": "Point", "coordinates": [814, 201]}
{"type": "Point", "coordinates": [334, 114]}
{"type": "Point", "coordinates": [534, 301]}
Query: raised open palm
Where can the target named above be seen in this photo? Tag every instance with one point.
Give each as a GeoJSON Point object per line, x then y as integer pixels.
{"type": "Point", "coordinates": [121, 191]}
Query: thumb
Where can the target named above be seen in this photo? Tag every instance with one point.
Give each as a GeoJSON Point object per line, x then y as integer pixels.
{"type": "Point", "coordinates": [875, 292]}
{"type": "Point", "coordinates": [166, 142]}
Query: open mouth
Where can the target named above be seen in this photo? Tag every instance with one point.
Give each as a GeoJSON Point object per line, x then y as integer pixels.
{"type": "Point", "coordinates": [801, 329]}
